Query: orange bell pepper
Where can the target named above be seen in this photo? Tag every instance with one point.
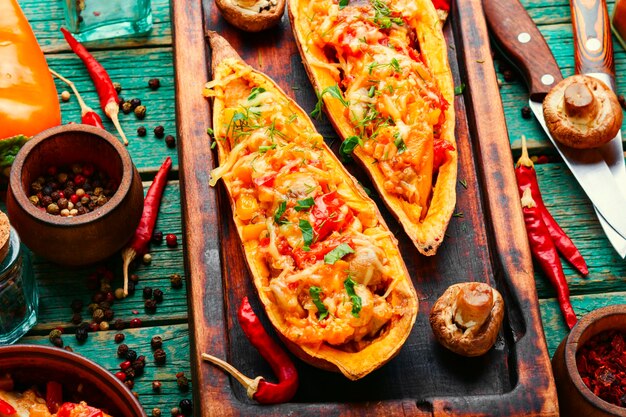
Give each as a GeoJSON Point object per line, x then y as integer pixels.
{"type": "Point", "coordinates": [28, 97]}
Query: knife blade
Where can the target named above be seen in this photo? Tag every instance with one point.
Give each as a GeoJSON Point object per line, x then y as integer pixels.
{"type": "Point", "coordinates": [522, 42]}
{"type": "Point", "coordinates": [593, 55]}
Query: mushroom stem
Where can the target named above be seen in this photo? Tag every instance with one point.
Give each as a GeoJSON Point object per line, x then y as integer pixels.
{"type": "Point", "coordinates": [579, 101]}
{"type": "Point", "coordinates": [473, 304]}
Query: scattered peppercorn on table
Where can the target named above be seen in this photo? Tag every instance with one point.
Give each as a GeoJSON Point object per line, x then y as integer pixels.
{"type": "Point", "coordinates": [132, 63]}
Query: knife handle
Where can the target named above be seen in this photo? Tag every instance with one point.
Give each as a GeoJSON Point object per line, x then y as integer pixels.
{"type": "Point", "coordinates": [517, 34]}
{"type": "Point", "coordinates": [593, 47]}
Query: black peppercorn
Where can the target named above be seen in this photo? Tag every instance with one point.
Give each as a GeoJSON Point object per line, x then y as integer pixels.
{"type": "Point", "coordinates": [108, 314]}
{"type": "Point", "coordinates": [622, 101]}
{"type": "Point", "coordinates": [119, 338]}
{"type": "Point", "coordinates": [156, 342]}
{"type": "Point", "coordinates": [140, 112]}
{"type": "Point", "coordinates": [138, 366]}
{"type": "Point", "coordinates": [118, 87]}
{"type": "Point", "coordinates": [176, 280]}
{"type": "Point", "coordinates": [156, 386]}
{"type": "Point", "coordinates": [118, 324]}
{"type": "Point", "coordinates": [183, 383]}
{"type": "Point", "coordinates": [131, 288]}
{"type": "Point", "coordinates": [58, 342]}
{"type": "Point", "coordinates": [526, 112]}
{"type": "Point", "coordinates": [82, 333]}
{"type": "Point", "coordinates": [159, 132]}
{"type": "Point", "coordinates": [134, 278]}
{"type": "Point", "coordinates": [98, 315]}
{"type": "Point", "coordinates": [135, 102]}
{"type": "Point", "coordinates": [129, 383]}
{"type": "Point", "coordinates": [175, 411]}
{"type": "Point", "coordinates": [77, 318]}
{"type": "Point", "coordinates": [150, 306]}
{"type": "Point", "coordinates": [131, 355]}
{"type": "Point", "coordinates": [54, 334]}
{"type": "Point", "coordinates": [147, 292]}
{"type": "Point", "coordinates": [154, 83]}
{"type": "Point", "coordinates": [170, 141]}
{"type": "Point", "coordinates": [76, 306]}
{"type": "Point", "coordinates": [160, 356]}
{"type": "Point", "coordinates": [130, 373]}
{"type": "Point", "coordinates": [157, 294]}
{"type": "Point", "coordinates": [185, 406]}
{"type": "Point", "coordinates": [122, 350]}
{"type": "Point", "coordinates": [157, 237]}
{"type": "Point", "coordinates": [141, 131]}
{"type": "Point", "coordinates": [156, 412]}
{"type": "Point", "coordinates": [508, 75]}
{"type": "Point", "coordinates": [122, 101]}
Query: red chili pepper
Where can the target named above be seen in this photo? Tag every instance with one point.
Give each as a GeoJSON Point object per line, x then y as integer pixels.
{"type": "Point", "coordinates": [545, 254]}
{"type": "Point", "coordinates": [259, 389]}
{"type": "Point", "coordinates": [67, 408]}
{"type": "Point", "coordinates": [109, 101]}
{"type": "Point", "coordinates": [318, 251]}
{"type": "Point", "coordinates": [143, 234]}
{"type": "Point", "coordinates": [6, 408]}
{"type": "Point", "coordinates": [267, 180]}
{"type": "Point", "coordinates": [88, 116]}
{"type": "Point", "coordinates": [329, 213]}
{"type": "Point", "coordinates": [442, 5]}
{"type": "Point", "coordinates": [442, 151]}
{"type": "Point", "coordinates": [54, 396]}
{"type": "Point", "coordinates": [527, 178]}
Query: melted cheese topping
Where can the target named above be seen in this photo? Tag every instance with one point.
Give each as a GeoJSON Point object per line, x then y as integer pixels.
{"type": "Point", "coordinates": [293, 205]}
{"type": "Point", "coordinates": [30, 404]}
{"type": "Point", "coordinates": [392, 99]}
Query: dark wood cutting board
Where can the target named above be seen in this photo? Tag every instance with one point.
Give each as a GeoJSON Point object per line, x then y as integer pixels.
{"type": "Point", "coordinates": [485, 242]}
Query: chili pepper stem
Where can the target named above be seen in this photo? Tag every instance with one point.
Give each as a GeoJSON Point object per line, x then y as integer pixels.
{"type": "Point", "coordinates": [524, 159]}
{"type": "Point", "coordinates": [527, 199]}
{"type": "Point", "coordinates": [112, 110]}
{"type": "Point", "coordinates": [128, 255]}
{"type": "Point", "coordinates": [252, 385]}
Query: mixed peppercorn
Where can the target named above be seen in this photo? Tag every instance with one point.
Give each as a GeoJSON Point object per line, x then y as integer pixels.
{"type": "Point", "coordinates": [72, 190]}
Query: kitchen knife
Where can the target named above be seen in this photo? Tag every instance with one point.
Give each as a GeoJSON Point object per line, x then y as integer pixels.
{"type": "Point", "coordinates": [517, 34]}
{"type": "Point", "coordinates": [593, 56]}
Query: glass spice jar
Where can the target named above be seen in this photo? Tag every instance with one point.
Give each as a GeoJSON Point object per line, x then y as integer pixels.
{"type": "Point", "coordinates": [91, 20]}
{"type": "Point", "coordinates": [18, 292]}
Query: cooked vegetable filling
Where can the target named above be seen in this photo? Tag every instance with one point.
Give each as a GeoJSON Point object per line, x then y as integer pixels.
{"type": "Point", "coordinates": [328, 265]}
{"type": "Point", "coordinates": [390, 94]}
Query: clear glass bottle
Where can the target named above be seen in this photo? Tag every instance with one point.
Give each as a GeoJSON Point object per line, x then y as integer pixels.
{"type": "Point", "coordinates": [90, 20]}
{"type": "Point", "coordinates": [18, 293]}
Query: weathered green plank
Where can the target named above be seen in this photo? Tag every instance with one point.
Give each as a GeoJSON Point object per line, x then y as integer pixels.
{"type": "Point", "coordinates": [58, 285]}
{"type": "Point", "coordinates": [132, 69]}
{"type": "Point", "coordinates": [101, 348]}
{"type": "Point", "coordinates": [46, 17]}
{"type": "Point", "coordinates": [555, 328]}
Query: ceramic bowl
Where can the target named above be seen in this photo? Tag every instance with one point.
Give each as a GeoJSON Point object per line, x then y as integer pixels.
{"type": "Point", "coordinates": [82, 379]}
{"type": "Point", "coordinates": [575, 399]}
{"type": "Point", "coordinates": [84, 239]}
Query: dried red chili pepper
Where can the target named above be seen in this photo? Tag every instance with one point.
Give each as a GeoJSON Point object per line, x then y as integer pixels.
{"type": "Point", "coordinates": [88, 116]}
{"type": "Point", "coordinates": [109, 101]}
{"type": "Point", "coordinates": [527, 178]}
{"type": "Point", "coordinates": [6, 408]}
{"type": "Point", "coordinates": [545, 254]}
{"type": "Point", "coordinates": [259, 389]}
{"type": "Point", "coordinates": [143, 234]}
{"type": "Point", "coordinates": [54, 396]}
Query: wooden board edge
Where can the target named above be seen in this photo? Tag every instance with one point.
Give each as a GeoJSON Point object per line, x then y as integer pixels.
{"type": "Point", "coordinates": [534, 392]}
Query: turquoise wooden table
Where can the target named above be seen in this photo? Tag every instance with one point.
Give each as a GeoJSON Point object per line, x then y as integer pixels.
{"type": "Point", "coordinates": [133, 62]}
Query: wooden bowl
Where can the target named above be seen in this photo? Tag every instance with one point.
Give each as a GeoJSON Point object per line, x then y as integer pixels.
{"type": "Point", "coordinates": [575, 399]}
{"type": "Point", "coordinates": [84, 239]}
{"type": "Point", "coordinates": [82, 379]}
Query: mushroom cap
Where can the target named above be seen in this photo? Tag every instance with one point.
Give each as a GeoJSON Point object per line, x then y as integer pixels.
{"type": "Point", "coordinates": [578, 122]}
{"type": "Point", "coordinates": [471, 341]}
{"type": "Point", "coordinates": [241, 14]}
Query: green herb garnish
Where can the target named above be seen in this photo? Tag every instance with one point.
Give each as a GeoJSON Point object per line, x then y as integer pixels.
{"type": "Point", "coordinates": [335, 92]}
{"type": "Point", "coordinates": [459, 89]}
{"type": "Point", "coordinates": [265, 148]}
{"type": "Point", "coordinates": [302, 205]}
{"type": "Point", "coordinates": [382, 16]}
{"type": "Point", "coordinates": [399, 142]}
{"type": "Point", "coordinates": [347, 147]}
{"type": "Point", "coordinates": [315, 292]}
{"type": "Point", "coordinates": [279, 213]}
{"type": "Point", "coordinates": [307, 234]}
{"type": "Point", "coordinates": [356, 300]}
{"type": "Point", "coordinates": [337, 253]}
{"type": "Point", "coordinates": [343, 3]}
{"type": "Point", "coordinates": [255, 92]}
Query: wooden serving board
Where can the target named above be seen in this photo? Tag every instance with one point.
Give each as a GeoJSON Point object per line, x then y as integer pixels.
{"type": "Point", "coordinates": [485, 241]}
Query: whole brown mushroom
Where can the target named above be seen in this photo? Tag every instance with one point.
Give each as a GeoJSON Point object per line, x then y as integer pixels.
{"type": "Point", "coordinates": [467, 317]}
{"type": "Point", "coordinates": [252, 15]}
{"type": "Point", "coordinates": [582, 112]}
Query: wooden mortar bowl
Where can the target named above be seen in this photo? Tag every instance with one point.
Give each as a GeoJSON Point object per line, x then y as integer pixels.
{"type": "Point", "coordinates": [84, 239]}
{"type": "Point", "coordinates": [31, 365]}
{"type": "Point", "coordinates": [575, 399]}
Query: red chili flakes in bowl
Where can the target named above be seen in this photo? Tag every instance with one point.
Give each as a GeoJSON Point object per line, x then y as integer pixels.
{"type": "Point", "coordinates": [601, 363]}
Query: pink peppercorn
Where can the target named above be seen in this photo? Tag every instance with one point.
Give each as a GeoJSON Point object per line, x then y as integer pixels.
{"type": "Point", "coordinates": [79, 180]}
{"type": "Point", "coordinates": [74, 198]}
{"type": "Point", "coordinates": [171, 240]}
{"type": "Point", "coordinates": [125, 365]}
{"type": "Point", "coordinates": [121, 376]}
{"type": "Point", "coordinates": [134, 323]}
{"type": "Point", "coordinates": [88, 170]}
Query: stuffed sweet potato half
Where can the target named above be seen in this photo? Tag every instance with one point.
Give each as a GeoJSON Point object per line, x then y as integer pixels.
{"type": "Point", "coordinates": [381, 69]}
{"type": "Point", "coordinates": [326, 268]}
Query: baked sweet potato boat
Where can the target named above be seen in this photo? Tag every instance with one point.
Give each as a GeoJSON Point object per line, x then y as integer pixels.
{"type": "Point", "coordinates": [381, 69]}
{"type": "Point", "coordinates": [326, 268]}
